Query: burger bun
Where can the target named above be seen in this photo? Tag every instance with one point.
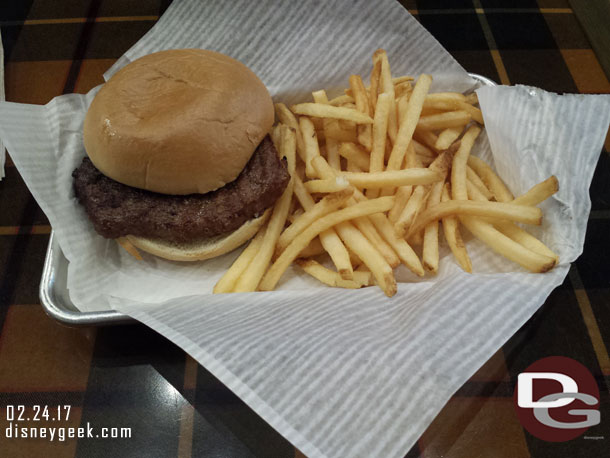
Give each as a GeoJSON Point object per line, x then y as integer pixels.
{"type": "Point", "coordinates": [202, 249]}
{"type": "Point", "coordinates": [178, 122]}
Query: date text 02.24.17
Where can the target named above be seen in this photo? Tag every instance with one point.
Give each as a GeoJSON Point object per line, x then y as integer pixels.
{"type": "Point", "coordinates": [37, 413]}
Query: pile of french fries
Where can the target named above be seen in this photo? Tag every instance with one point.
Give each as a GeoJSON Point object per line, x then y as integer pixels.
{"type": "Point", "coordinates": [373, 173]}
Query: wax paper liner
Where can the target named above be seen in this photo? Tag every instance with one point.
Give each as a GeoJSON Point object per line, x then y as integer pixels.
{"type": "Point", "coordinates": [338, 373]}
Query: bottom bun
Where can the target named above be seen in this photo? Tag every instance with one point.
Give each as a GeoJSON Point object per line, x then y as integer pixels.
{"type": "Point", "coordinates": [201, 249]}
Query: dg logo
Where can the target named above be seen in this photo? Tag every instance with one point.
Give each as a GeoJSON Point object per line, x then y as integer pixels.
{"type": "Point", "coordinates": [557, 399]}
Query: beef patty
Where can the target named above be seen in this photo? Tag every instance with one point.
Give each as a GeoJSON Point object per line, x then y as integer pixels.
{"type": "Point", "coordinates": [117, 210]}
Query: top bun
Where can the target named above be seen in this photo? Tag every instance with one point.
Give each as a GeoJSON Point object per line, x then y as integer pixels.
{"type": "Point", "coordinates": [178, 122]}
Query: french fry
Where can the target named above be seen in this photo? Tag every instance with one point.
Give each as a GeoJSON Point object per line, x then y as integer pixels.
{"type": "Point", "coordinates": [447, 137]}
{"type": "Point", "coordinates": [513, 231]}
{"type": "Point", "coordinates": [349, 125]}
{"type": "Point", "coordinates": [276, 133]}
{"type": "Point", "coordinates": [388, 87]}
{"type": "Point", "coordinates": [376, 263]}
{"type": "Point", "coordinates": [367, 228]}
{"type": "Point", "coordinates": [444, 120]}
{"type": "Point", "coordinates": [402, 79]}
{"type": "Point", "coordinates": [440, 98]}
{"type": "Point", "coordinates": [425, 111]}
{"type": "Point", "coordinates": [365, 135]}
{"type": "Point", "coordinates": [343, 148]}
{"type": "Point", "coordinates": [129, 247]}
{"type": "Point", "coordinates": [404, 251]}
{"type": "Point", "coordinates": [229, 279]}
{"type": "Point", "coordinates": [315, 248]}
{"type": "Point", "coordinates": [450, 102]}
{"type": "Point", "coordinates": [364, 225]}
{"type": "Point", "coordinates": [460, 160]}
{"type": "Point", "coordinates": [402, 89]}
{"type": "Point", "coordinates": [380, 129]}
{"type": "Point", "coordinates": [329, 238]}
{"type": "Point", "coordinates": [294, 211]}
{"type": "Point", "coordinates": [454, 237]}
{"type": "Point", "coordinates": [474, 112]}
{"type": "Point", "coordinates": [327, 205]}
{"type": "Point", "coordinates": [483, 230]}
{"type": "Point", "coordinates": [374, 91]}
{"type": "Point", "coordinates": [442, 164]}
{"type": "Point", "coordinates": [326, 186]}
{"type": "Point", "coordinates": [362, 268]}
{"type": "Point", "coordinates": [310, 140]}
{"type": "Point", "coordinates": [423, 150]}
{"type": "Point", "coordinates": [302, 195]}
{"type": "Point", "coordinates": [365, 132]}
{"type": "Point", "coordinates": [350, 166]}
{"type": "Point", "coordinates": [410, 211]}
{"type": "Point", "coordinates": [384, 227]}
{"type": "Point", "coordinates": [493, 182]}
{"type": "Point", "coordinates": [407, 127]}
{"type": "Point", "coordinates": [317, 110]}
{"type": "Point", "coordinates": [396, 81]}
{"type": "Point", "coordinates": [524, 238]}
{"type": "Point", "coordinates": [285, 116]}
{"type": "Point", "coordinates": [411, 158]}
{"type": "Point", "coordinates": [355, 154]}
{"type": "Point", "coordinates": [338, 101]}
{"type": "Point", "coordinates": [341, 135]}
{"type": "Point", "coordinates": [472, 176]}
{"type": "Point", "coordinates": [415, 160]}
{"type": "Point", "coordinates": [416, 239]}
{"type": "Point", "coordinates": [430, 254]}
{"type": "Point", "coordinates": [288, 147]}
{"type": "Point", "coordinates": [539, 192]}
{"type": "Point", "coordinates": [402, 197]}
{"type": "Point", "coordinates": [507, 247]}
{"type": "Point", "coordinates": [319, 96]}
{"type": "Point", "coordinates": [388, 151]}
{"type": "Point", "coordinates": [426, 137]}
{"type": "Point", "coordinates": [251, 277]}
{"type": "Point", "coordinates": [331, 278]}
{"type": "Point", "coordinates": [417, 201]}
{"type": "Point", "coordinates": [474, 193]}
{"type": "Point", "coordinates": [401, 107]}
{"type": "Point", "coordinates": [332, 145]}
{"type": "Point", "coordinates": [355, 260]}
{"type": "Point", "coordinates": [472, 98]}
{"type": "Point", "coordinates": [499, 210]}
{"type": "Point", "coordinates": [334, 219]}
{"type": "Point", "coordinates": [392, 178]}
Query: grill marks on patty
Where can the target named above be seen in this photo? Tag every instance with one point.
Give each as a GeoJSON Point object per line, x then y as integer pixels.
{"type": "Point", "coordinates": [117, 210]}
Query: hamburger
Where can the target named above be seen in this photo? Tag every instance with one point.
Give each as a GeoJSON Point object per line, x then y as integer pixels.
{"type": "Point", "coordinates": [179, 159]}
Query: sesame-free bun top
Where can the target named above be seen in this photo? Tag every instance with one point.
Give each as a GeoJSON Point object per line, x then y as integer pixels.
{"type": "Point", "coordinates": [178, 122]}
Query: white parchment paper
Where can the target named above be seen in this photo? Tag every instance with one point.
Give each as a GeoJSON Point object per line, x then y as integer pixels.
{"type": "Point", "coordinates": [338, 373]}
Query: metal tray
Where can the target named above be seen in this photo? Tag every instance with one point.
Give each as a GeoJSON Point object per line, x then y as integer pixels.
{"type": "Point", "coordinates": [54, 295]}
{"type": "Point", "coordinates": [56, 301]}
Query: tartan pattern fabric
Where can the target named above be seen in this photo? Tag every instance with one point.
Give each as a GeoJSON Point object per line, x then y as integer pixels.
{"type": "Point", "coordinates": [130, 376]}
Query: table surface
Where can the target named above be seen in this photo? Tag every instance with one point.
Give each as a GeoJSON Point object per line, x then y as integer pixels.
{"type": "Point", "coordinates": [132, 377]}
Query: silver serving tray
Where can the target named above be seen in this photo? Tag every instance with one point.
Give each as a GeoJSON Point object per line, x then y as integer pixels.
{"type": "Point", "coordinates": [54, 295]}
{"type": "Point", "coordinates": [56, 301]}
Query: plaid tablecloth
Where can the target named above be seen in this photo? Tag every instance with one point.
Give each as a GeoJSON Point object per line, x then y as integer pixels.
{"type": "Point", "coordinates": [130, 377]}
